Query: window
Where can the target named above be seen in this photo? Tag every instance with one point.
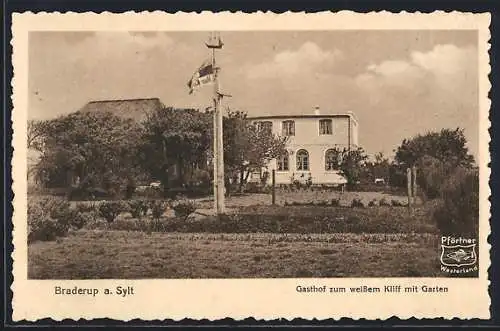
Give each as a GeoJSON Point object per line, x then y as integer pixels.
{"type": "Point", "coordinates": [283, 162]}
{"type": "Point", "coordinates": [325, 127]}
{"type": "Point", "coordinates": [333, 158]}
{"type": "Point", "coordinates": [288, 128]}
{"type": "Point", "coordinates": [302, 160]}
{"type": "Point", "coordinates": [265, 125]}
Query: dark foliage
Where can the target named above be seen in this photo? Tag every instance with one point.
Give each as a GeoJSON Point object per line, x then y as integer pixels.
{"type": "Point", "coordinates": [458, 213]}
{"type": "Point", "coordinates": [109, 210]}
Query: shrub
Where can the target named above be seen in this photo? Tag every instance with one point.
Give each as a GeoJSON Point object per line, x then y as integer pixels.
{"type": "Point", "coordinates": [184, 208]}
{"type": "Point", "coordinates": [458, 213]}
{"type": "Point", "coordinates": [431, 176]}
{"type": "Point", "coordinates": [158, 207]}
{"type": "Point", "coordinates": [111, 209]}
{"type": "Point", "coordinates": [48, 219]}
{"type": "Point", "coordinates": [335, 202]}
{"type": "Point", "coordinates": [85, 207]}
{"type": "Point", "coordinates": [45, 229]}
{"type": "Point", "coordinates": [305, 220]}
{"type": "Point", "coordinates": [357, 203]}
{"type": "Point", "coordinates": [138, 208]}
{"type": "Point", "coordinates": [80, 220]}
{"type": "Point", "coordinates": [396, 203]}
{"type": "Point", "coordinates": [383, 202]}
{"type": "Point", "coordinates": [372, 203]}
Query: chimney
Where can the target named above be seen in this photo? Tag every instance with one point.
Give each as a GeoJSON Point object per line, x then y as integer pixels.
{"type": "Point", "coordinates": [316, 110]}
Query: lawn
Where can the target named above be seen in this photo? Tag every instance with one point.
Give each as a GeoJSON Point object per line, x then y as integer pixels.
{"type": "Point", "coordinates": [303, 196]}
{"type": "Point", "coordinates": [251, 241]}
{"type": "Point", "coordinates": [109, 254]}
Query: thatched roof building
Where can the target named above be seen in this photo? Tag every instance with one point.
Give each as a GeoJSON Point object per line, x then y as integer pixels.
{"type": "Point", "coordinates": [136, 109]}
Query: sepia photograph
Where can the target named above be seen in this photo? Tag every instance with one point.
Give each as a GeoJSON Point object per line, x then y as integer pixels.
{"type": "Point", "coordinates": [253, 154]}
{"type": "Point", "coordinates": [230, 165]}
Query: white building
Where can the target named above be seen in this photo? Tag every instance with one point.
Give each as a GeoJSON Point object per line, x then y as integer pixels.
{"type": "Point", "coordinates": [310, 146]}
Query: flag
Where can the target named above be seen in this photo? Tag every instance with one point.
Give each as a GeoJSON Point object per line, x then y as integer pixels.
{"type": "Point", "coordinates": [204, 75]}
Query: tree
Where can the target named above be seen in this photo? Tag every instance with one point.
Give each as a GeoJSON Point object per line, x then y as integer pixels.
{"type": "Point", "coordinates": [436, 155]}
{"type": "Point", "coordinates": [178, 138]}
{"type": "Point", "coordinates": [35, 133]}
{"type": "Point", "coordinates": [352, 163]}
{"type": "Point", "coordinates": [248, 147]}
{"type": "Point", "coordinates": [378, 168]}
{"type": "Point", "coordinates": [97, 147]}
{"type": "Point", "coordinates": [447, 146]}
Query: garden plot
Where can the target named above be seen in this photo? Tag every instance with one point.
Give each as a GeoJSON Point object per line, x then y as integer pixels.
{"type": "Point", "coordinates": [303, 197]}
{"type": "Point", "coordinates": [137, 255]}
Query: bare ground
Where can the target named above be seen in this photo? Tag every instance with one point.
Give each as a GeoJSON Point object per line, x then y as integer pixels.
{"type": "Point", "coordinates": [138, 255]}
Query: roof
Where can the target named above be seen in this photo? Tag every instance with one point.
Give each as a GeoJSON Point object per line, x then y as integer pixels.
{"type": "Point", "coordinates": [136, 109]}
{"type": "Point", "coordinates": [346, 115]}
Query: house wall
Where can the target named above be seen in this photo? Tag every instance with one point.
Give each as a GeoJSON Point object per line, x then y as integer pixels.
{"type": "Point", "coordinates": [307, 136]}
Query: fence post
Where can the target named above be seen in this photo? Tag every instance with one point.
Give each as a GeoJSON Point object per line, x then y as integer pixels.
{"type": "Point", "coordinates": [414, 184]}
{"type": "Point", "coordinates": [274, 187]}
{"type": "Point", "coordinates": [408, 181]}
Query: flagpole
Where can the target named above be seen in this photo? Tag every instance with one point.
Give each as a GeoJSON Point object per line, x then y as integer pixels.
{"type": "Point", "coordinates": [219, 203]}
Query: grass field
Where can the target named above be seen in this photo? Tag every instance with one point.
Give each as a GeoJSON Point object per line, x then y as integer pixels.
{"type": "Point", "coordinates": [134, 255]}
{"type": "Point", "coordinates": [254, 240]}
{"type": "Point", "coordinates": [251, 199]}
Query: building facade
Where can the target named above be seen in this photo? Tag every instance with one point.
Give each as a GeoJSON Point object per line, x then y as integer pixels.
{"type": "Point", "coordinates": [312, 141]}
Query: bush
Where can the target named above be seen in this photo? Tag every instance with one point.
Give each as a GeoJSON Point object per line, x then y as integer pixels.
{"type": "Point", "coordinates": [372, 203]}
{"type": "Point", "coordinates": [305, 220]}
{"type": "Point", "coordinates": [111, 209]}
{"type": "Point", "coordinates": [383, 202]}
{"type": "Point", "coordinates": [184, 208]}
{"type": "Point", "coordinates": [68, 217]}
{"type": "Point", "coordinates": [48, 219]}
{"type": "Point", "coordinates": [458, 213]}
{"type": "Point", "coordinates": [396, 203]}
{"type": "Point", "coordinates": [158, 207]}
{"type": "Point", "coordinates": [357, 203]}
{"type": "Point", "coordinates": [335, 202]}
{"type": "Point", "coordinates": [45, 229]}
{"type": "Point", "coordinates": [85, 207]}
{"type": "Point", "coordinates": [431, 175]}
{"type": "Point", "coordinates": [138, 208]}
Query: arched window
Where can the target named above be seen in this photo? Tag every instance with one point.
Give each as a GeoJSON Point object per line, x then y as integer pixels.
{"type": "Point", "coordinates": [302, 160]}
{"type": "Point", "coordinates": [283, 162]}
{"type": "Point", "coordinates": [333, 158]}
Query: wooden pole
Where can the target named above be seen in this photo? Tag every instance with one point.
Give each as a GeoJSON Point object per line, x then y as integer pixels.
{"type": "Point", "coordinates": [408, 181]}
{"type": "Point", "coordinates": [414, 184]}
{"type": "Point", "coordinates": [274, 187]}
{"type": "Point", "coordinates": [215, 161]}
{"type": "Point", "coordinates": [219, 189]}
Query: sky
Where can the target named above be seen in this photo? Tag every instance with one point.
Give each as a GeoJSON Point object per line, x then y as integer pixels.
{"type": "Point", "coordinates": [397, 83]}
